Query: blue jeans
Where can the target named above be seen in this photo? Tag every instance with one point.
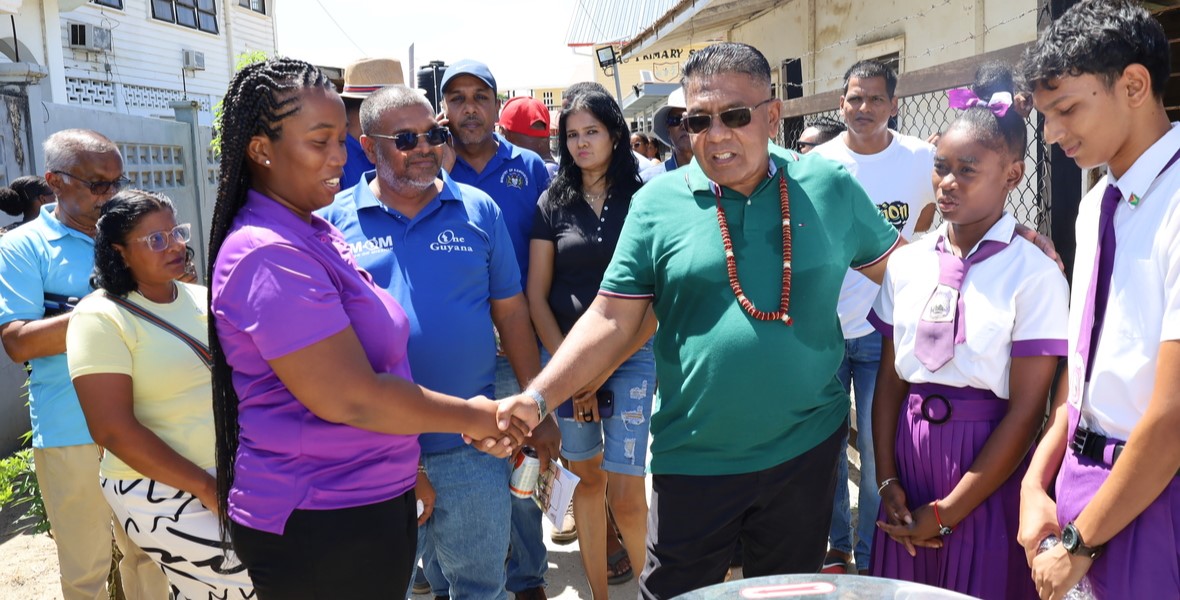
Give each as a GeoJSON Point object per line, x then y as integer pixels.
{"type": "Point", "coordinates": [530, 560]}
{"type": "Point", "coordinates": [466, 539]}
{"type": "Point", "coordinates": [858, 372]}
{"type": "Point", "coordinates": [622, 438]}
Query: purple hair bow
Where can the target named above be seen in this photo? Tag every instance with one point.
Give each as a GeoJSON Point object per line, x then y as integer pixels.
{"type": "Point", "coordinates": [964, 98]}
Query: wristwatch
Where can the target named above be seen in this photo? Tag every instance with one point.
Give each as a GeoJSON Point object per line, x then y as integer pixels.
{"type": "Point", "coordinates": [542, 408]}
{"type": "Point", "coordinates": [1073, 543]}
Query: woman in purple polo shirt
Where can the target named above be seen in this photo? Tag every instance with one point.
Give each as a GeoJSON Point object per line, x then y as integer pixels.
{"type": "Point", "coordinates": [316, 414]}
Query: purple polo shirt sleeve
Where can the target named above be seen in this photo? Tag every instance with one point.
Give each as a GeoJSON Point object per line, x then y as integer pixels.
{"type": "Point", "coordinates": [283, 299]}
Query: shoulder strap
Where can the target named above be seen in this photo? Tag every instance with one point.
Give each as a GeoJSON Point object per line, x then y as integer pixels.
{"type": "Point", "coordinates": [197, 346]}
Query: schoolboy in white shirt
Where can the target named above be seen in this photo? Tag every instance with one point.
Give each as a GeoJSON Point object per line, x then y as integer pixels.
{"type": "Point", "coordinates": [1098, 76]}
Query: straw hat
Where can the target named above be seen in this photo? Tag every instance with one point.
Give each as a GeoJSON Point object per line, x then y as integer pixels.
{"type": "Point", "coordinates": [368, 75]}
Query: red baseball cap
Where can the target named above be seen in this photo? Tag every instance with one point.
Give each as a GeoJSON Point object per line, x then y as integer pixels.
{"type": "Point", "coordinates": [522, 114]}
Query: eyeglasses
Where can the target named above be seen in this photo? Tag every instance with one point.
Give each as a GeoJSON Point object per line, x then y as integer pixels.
{"type": "Point", "coordinates": [98, 188]}
{"type": "Point", "coordinates": [637, 145]}
{"type": "Point", "coordinates": [674, 121]}
{"type": "Point", "coordinates": [803, 146]}
{"type": "Point", "coordinates": [733, 118]}
{"type": "Point", "coordinates": [159, 241]}
{"type": "Point", "coordinates": [408, 140]}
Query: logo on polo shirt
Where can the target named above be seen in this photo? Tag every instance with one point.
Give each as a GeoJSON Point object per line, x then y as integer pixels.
{"type": "Point", "coordinates": [896, 212]}
{"type": "Point", "coordinates": [447, 241]}
{"type": "Point", "coordinates": [372, 246]}
{"type": "Point", "coordinates": [515, 178]}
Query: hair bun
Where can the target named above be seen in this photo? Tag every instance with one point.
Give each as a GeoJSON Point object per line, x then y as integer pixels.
{"type": "Point", "coordinates": [992, 78]}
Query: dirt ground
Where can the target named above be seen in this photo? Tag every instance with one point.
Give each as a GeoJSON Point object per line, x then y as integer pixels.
{"type": "Point", "coordinates": [28, 564]}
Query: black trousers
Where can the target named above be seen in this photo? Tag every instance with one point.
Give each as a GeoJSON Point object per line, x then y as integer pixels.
{"type": "Point", "coordinates": [781, 515]}
{"type": "Point", "coordinates": [361, 553]}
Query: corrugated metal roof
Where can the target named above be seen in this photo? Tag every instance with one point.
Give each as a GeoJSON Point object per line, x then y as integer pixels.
{"type": "Point", "coordinates": [607, 21]}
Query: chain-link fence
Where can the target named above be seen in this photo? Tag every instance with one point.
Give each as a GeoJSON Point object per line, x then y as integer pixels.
{"type": "Point", "coordinates": [926, 114]}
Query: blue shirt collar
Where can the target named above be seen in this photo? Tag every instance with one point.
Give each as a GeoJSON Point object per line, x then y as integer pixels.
{"type": "Point", "coordinates": [505, 151]}
{"type": "Point", "coordinates": [55, 229]}
{"type": "Point", "coordinates": [365, 198]}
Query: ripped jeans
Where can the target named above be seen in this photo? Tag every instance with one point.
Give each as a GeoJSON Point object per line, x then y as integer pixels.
{"type": "Point", "coordinates": [623, 437]}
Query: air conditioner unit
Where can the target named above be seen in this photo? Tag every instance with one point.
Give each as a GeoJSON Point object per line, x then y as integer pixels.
{"type": "Point", "coordinates": [93, 38]}
{"type": "Point", "coordinates": [193, 60]}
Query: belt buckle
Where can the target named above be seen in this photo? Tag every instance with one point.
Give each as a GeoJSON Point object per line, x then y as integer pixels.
{"type": "Point", "coordinates": [1085, 442]}
{"type": "Point", "coordinates": [926, 414]}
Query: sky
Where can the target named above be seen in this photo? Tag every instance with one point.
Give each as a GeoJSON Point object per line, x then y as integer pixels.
{"type": "Point", "coordinates": [522, 41]}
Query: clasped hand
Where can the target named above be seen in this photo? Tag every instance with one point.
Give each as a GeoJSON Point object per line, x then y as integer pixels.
{"type": "Point", "coordinates": [496, 433]}
{"type": "Point", "coordinates": [917, 529]}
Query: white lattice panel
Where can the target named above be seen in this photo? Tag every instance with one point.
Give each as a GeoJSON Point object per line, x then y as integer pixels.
{"type": "Point", "coordinates": [142, 96]}
{"type": "Point", "coordinates": [153, 166]}
{"type": "Point", "coordinates": [90, 92]}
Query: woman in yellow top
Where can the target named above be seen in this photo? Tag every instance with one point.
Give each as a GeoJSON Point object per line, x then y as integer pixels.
{"type": "Point", "coordinates": [147, 395]}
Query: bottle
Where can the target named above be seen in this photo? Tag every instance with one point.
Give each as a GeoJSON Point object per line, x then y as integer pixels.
{"type": "Point", "coordinates": [1083, 590]}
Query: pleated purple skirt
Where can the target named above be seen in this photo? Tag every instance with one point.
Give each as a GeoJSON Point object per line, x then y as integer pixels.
{"type": "Point", "coordinates": [981, 558]}
{"type": "Point", "coordinates": [1142, 560]}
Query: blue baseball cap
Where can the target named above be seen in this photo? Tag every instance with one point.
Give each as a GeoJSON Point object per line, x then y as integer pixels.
{"type": "Point", "coordinates": [468, 67]}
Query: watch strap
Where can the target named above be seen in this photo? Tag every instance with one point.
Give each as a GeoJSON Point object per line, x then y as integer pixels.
{"type": "Point", "coordinates": [1078, 546]}
{"type": "Point", "coordinates": [542, 407]}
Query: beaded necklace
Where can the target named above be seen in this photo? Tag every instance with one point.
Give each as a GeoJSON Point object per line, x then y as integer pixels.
{"type": "Point", "coordinates": [731, 261]}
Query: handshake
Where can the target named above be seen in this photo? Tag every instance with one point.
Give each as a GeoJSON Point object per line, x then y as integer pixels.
{"type": "Point", "coordinates": [503, 426]}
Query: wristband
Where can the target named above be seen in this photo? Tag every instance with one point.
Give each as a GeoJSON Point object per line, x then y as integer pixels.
{"type": "Point", "coordinates": [885, 484]}
{"type": "Point", "coordinates": [542, 408]}
{"type": "Point", "coordinates": [942, 529]}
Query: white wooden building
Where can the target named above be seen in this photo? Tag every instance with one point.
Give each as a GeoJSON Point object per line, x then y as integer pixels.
{"type": "Point", "coordinates": [134, 57]}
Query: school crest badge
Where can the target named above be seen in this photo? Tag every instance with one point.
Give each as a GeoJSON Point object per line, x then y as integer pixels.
{"type": "Point", "coordinates": [515, 178]}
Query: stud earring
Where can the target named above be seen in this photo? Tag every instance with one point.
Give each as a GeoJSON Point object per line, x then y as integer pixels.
{"type": "Point", "coordinates": [266, 162]}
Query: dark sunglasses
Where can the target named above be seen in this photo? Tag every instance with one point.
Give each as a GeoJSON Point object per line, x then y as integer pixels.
{"type": "Point", "coordinates": [674, 121]}
{"type": "Point", "coordinates": [803, 146]}
{"type": "Point", "coordinates": [408, 140]}
{"type": "Point", "coordinates": [98, 188]}
{"type": "Point", "coordinates": [733, 118]}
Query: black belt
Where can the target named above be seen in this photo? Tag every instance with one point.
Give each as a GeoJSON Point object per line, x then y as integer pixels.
{"type": "Point", "coordinates": [1092, 445]}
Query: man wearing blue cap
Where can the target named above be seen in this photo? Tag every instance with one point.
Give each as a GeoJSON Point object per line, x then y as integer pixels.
{"type": "Point", "coordinates": [514, 178]}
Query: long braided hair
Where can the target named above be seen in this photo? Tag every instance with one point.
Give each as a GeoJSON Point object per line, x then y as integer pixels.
{"type": "Point", "coordinates": [259, 97]}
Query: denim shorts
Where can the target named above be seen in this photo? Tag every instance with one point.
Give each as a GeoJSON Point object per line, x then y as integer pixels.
{"type": "Point", "coordinates": [622, 438]}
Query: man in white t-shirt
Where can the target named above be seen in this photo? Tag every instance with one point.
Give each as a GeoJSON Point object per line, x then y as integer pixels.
{"type": "Point", "coordinates": [896, 171]}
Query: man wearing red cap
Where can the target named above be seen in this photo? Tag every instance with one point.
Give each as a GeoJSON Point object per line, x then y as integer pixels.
{"type": "Point", "coordinates": [524, 122]}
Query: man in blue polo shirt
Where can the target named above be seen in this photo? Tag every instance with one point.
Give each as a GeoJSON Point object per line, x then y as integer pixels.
{"type": "Point", "coordinates": [443, 250]}
{"type": "Point", "coordinates": [514, 178]}
{"type": "Point", "coordinates": [45, 266]}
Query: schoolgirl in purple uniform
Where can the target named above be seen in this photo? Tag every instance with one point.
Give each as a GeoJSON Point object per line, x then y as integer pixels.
{"type": "Point", "coordinates": [977, 319]}
{"type": "Point", "coordinates": [1098, 76]}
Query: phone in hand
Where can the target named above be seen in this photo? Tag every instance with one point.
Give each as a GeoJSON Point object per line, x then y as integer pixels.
{"type": "Point", "coordinates": [606, 404]}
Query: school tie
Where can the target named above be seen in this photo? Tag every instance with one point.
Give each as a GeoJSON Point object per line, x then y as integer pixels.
{"type": "Point", "coordinates": [944, 320]}
{"type": "Point", "coordinates": [1099, 290]}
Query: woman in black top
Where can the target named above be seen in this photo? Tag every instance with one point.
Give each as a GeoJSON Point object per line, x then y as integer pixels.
{"type": "Point", "coordinates": [575, 231]}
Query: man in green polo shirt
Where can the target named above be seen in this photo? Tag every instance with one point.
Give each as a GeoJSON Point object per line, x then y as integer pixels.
{"type": "Point", "coordinates": [750, 415]}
